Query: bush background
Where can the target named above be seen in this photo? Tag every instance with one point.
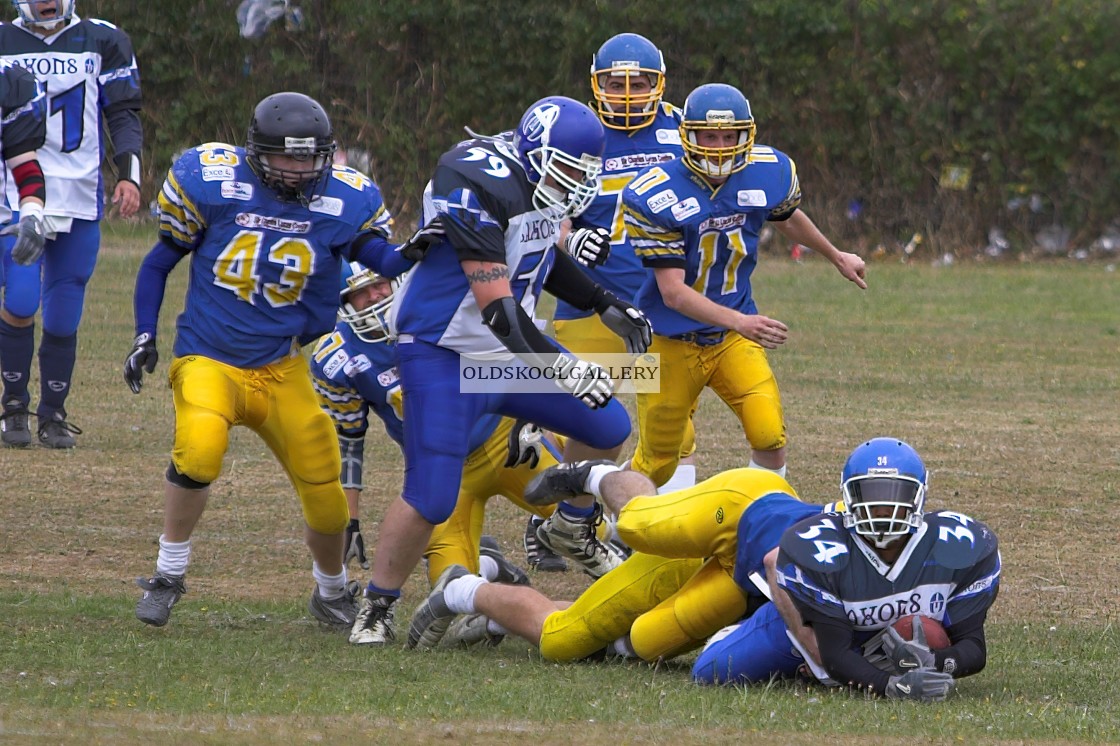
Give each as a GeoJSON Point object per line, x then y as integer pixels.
{"type": "Point", "coordinates": [872, 98]}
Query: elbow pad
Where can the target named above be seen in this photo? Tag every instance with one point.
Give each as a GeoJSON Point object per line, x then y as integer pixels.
{"type": "Point", "coordinates": [514, 329]}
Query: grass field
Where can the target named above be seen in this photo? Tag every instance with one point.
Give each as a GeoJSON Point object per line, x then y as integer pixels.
{"type": "Point", "coordinates": [1005, 377]}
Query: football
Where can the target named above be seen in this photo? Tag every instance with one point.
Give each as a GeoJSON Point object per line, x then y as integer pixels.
{"type": "Point", "coordinates": [936, 637]}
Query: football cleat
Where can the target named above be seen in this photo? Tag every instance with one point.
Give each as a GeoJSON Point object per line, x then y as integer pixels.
{"type": "Point", "coordinates": [14, 429]}
{"type": "Point", "coordinates": [374, 624]}
{"type": "Point", "coordinates": [537, 554]}
{"type": "Point", "coordinates": [161, 592]}
{"type": "Point", "coordinates": [336, 613]}
{"type": "Point", "coordinates": [562, 481]}
{"type": "Point", "coordinates": [432, 618]}
{"type": "Point", "coordinates": [468, 630]}
{"type": "Point", "coordinates": [56, 432]}
{"type": "Point", "coordinates": [507, 571]}
{"type": "Point", "coordinates": [576, 539]}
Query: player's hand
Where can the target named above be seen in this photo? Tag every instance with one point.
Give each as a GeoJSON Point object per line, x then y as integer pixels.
{"type": "Point", "coordinates": [586, 381]}
{"type": "Point", "coordinates": [418, 244]}
{"type": "Point", "coordinates": [923, 685]}
{"type": "Point", "coordinates": [629, 323]}
{"type": "Point", "coordinates": [31, 239]}
{"type": "Point", "coordinates": [524, 445]}
{"type": "Point", "coordinates": [767, 332]}
{"type": "Point", "coordinates": [143, 357]}
{"type": "Point", "coordinates": [355, 545]}
{"type": "Point", "coordinates": [908, 654]}
{"type": "Point", "coordinates": [589, 246]}
{"type": "Point", "coordinates": [126, 196]}
{"type": "Point", "coordinates": [852, 267]}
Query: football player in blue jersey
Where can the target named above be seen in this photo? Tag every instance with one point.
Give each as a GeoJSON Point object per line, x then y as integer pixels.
{"type": "Point", "coordinates": [355, 373]}
{"type": "Point", "coordinates": [841, 580]}
{"type": "Point", "coordinates": [266, 227]}
{"type": "Point", "coordinates": [89, 72]}
{"type": "Point", "coordinates": [501, 201]}
{"type": "Point", "coordinates": [627, 81]}
{"type": "Point", "coordinates": [695, 222]}
{"type": "Point", "coordinates": [23, 130]}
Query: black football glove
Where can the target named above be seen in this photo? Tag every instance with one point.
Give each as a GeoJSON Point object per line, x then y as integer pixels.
{"type": "Point", "coordinates": [629, 323]}
{"type": "Point", "coordinates": [590, 246]}
{"type": "Point", "coordinates": [143, 357]}
{"type": "Point", "coordinates": [418, 244]}
{"type": "Point", "coordinates": [31, 239]}
{"type": "Point", "coordinates": [524, 445]}
{"type": "Point", "coordinates": [355, 545]}
{"type": "Point", "coordinates": [908, 654]}
{"type": "Point", "coordinates": [922, 685]}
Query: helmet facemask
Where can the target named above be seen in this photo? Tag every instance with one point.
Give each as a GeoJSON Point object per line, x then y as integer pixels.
{"type": "Point", "coordinates": [30, 11]}
{"type": "Point", "coordinates": [627, 110]}
{"type": "Point", "coordinates": [292, 185]}
{"type": "Point", "coordinates": [370, 324]}
{"type": "Point", "coordinates": [883, 507]}
{"type": "Point", "coordinates": [717, 162]}
{"type": "Point", "coordinates": [559, 193]}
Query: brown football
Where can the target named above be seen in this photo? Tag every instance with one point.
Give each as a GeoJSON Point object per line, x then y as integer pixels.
{"type": "Point", "coordinates": [936, 637]}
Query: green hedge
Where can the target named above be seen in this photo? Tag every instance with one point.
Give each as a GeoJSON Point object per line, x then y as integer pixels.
{"type": "Point", "coordinates": [873, 99]}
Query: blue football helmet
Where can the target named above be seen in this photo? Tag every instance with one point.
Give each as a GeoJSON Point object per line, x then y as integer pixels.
{"type": "Point", "coordinates": [884, 485]}
{"type": "Point", "coordinates": [717, 106]}
{"type": "Point", "coordinates": [370, 324]}
{"type": "Point", "coordinates": [32, 12]}
{"type": "Point", "coordinates": [560, 143]}
{"type": "Point", "coordinates": [625, 57]}
{"type": "Point", "coordinates": [293, 125]}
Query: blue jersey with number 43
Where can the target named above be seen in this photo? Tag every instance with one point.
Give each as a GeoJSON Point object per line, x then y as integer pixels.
{"type": "Point", "coordinates": [264, 272]}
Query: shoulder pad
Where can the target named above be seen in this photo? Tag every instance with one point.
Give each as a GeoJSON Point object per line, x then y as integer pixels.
{"type": "Point", "coordinates": [960, 541]}
{"type": "Point", "coordinates": [819, 543]}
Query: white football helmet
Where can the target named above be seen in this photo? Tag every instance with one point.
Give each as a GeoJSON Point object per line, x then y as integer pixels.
{"type": "Point", "coordinates": [45, 14]}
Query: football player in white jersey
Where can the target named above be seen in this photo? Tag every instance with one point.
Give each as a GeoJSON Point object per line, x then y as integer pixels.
{"type": "Point", "coordinates": [89, 72]}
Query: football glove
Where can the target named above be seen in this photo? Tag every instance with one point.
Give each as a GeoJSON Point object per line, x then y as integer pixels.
{"type": "Point", "coordinates": [418, 244]}
{"type": "Point", "coordinates": [143, 357]}
{"type": "Point", "coordinates": [524, 445]}
{"type": "Point", "coordinates": [922, 685]}
{"type": "Point", "coordinates": [586, 381]}
{"type": "Point", "coordinates": [31, 238]}
{"type": "Point", "coordinates": [590, 246]}
{"type": "Point", "coordinates": [629, 323]}
{"type": "Point", "coordinates": [355, 545]}
{"type": "Point", "coordinates": [908, 654]}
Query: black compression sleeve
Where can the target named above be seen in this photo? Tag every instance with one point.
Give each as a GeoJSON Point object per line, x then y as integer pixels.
{"type": "Point", "coordinates": [568, 282]}
{"type": "Point", "coordinates": [969, 652]}
{"type": "Point", "coordinates": [514, 329]}
{"type": "Point", "coordinates": [834, 640]}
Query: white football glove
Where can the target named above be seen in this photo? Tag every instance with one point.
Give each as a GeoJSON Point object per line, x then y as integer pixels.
{"type": "Point", "coordinates": [590, 246]}
{"type": "Point", "coordinates": [586, 381]}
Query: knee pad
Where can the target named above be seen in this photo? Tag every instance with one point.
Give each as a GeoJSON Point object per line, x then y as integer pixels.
{"type": "Point", "coordinates": [179, 479]}
{"type": "Point", "coordinates": [324, 507]}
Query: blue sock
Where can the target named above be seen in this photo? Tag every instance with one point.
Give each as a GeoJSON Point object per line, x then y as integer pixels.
{"type": "Point", "coordinates": [56, 370]}
{"type": "Point", "coordinates": [373, 590]}
{"type": "Point", "coordinates": [17, 346]}
{"type": "Point", "coordinates": [573, 512]}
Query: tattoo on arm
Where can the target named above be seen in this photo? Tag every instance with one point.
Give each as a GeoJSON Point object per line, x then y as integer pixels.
{"type": "Point", "coordinates": [483, 274]}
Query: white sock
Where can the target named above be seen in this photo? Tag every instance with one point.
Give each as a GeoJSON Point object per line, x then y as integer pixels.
{"type": "Point", "coordinates": [622, 648]}
{"type": "Point", "coordinates": [780, 472]}
{"type": "Point", "coordinates": [494, 628]}
{"type": "Point", "coordinates": [683, 478]}
{"type": "Point", "coordinates": [459, 593]}
{"type": "Point", "coordinates": [595, 476]}
{"type": "Point", "coordinates": [488, 568]}
{"type": "Point", "coordinates": [173, 556]}
{"type": "Point", "coordinates": [330, 586]}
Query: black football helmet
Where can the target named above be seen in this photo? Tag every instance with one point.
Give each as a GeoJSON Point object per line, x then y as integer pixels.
{"type": "Point", "coordinates": [293, 125]}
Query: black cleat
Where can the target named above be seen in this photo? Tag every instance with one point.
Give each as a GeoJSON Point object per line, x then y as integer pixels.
{"type": "Point", "coordinates": [561, 482]}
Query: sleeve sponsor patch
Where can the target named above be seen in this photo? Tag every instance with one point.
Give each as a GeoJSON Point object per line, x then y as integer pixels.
{"type": "Point", "coordinates": [662, 200]}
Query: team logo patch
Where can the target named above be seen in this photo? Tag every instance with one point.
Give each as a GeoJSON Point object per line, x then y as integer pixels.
{"type": "Point", "coordinates": [661, 200]}
{"type": "Point", "coordinates": [356, 365]}
{"type": "Point", "coordinates": [388, 377]}
{"type": "Point", "coordinates": [237, 190]}
{"type": "Point", "coordinates": [751, 198]}
{"type": "Point", "coordinates": [282, 225]}
{"type": "Point", "coordinates": [337, 360]}
{"type": "Point", "coordinates": [326, 205]}
{"type": "Point", "coordinates": [217, 173]}
{"type": "Point", "coordinates": [686, 209]}
{"type": "Point", "coordinates": [668, 137]}
{"type": "Point", "coordinates": [719, 514]}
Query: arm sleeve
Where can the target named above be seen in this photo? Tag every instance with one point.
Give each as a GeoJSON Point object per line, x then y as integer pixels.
{"type": "Point", "coordinates": [514, 329]}
{"type": "Point", "coordinates": [843, 663]}
{"type": "Point", "coordinates": [127, 135]}
{"type": "Point", "coordinates": [968, 653]}
{"type": "Point", "coordinates": [151, 282]}
{"type": "Point", "coordinates": [571, 284]}
{"type": "Point", "coordinates": [373, 251]}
